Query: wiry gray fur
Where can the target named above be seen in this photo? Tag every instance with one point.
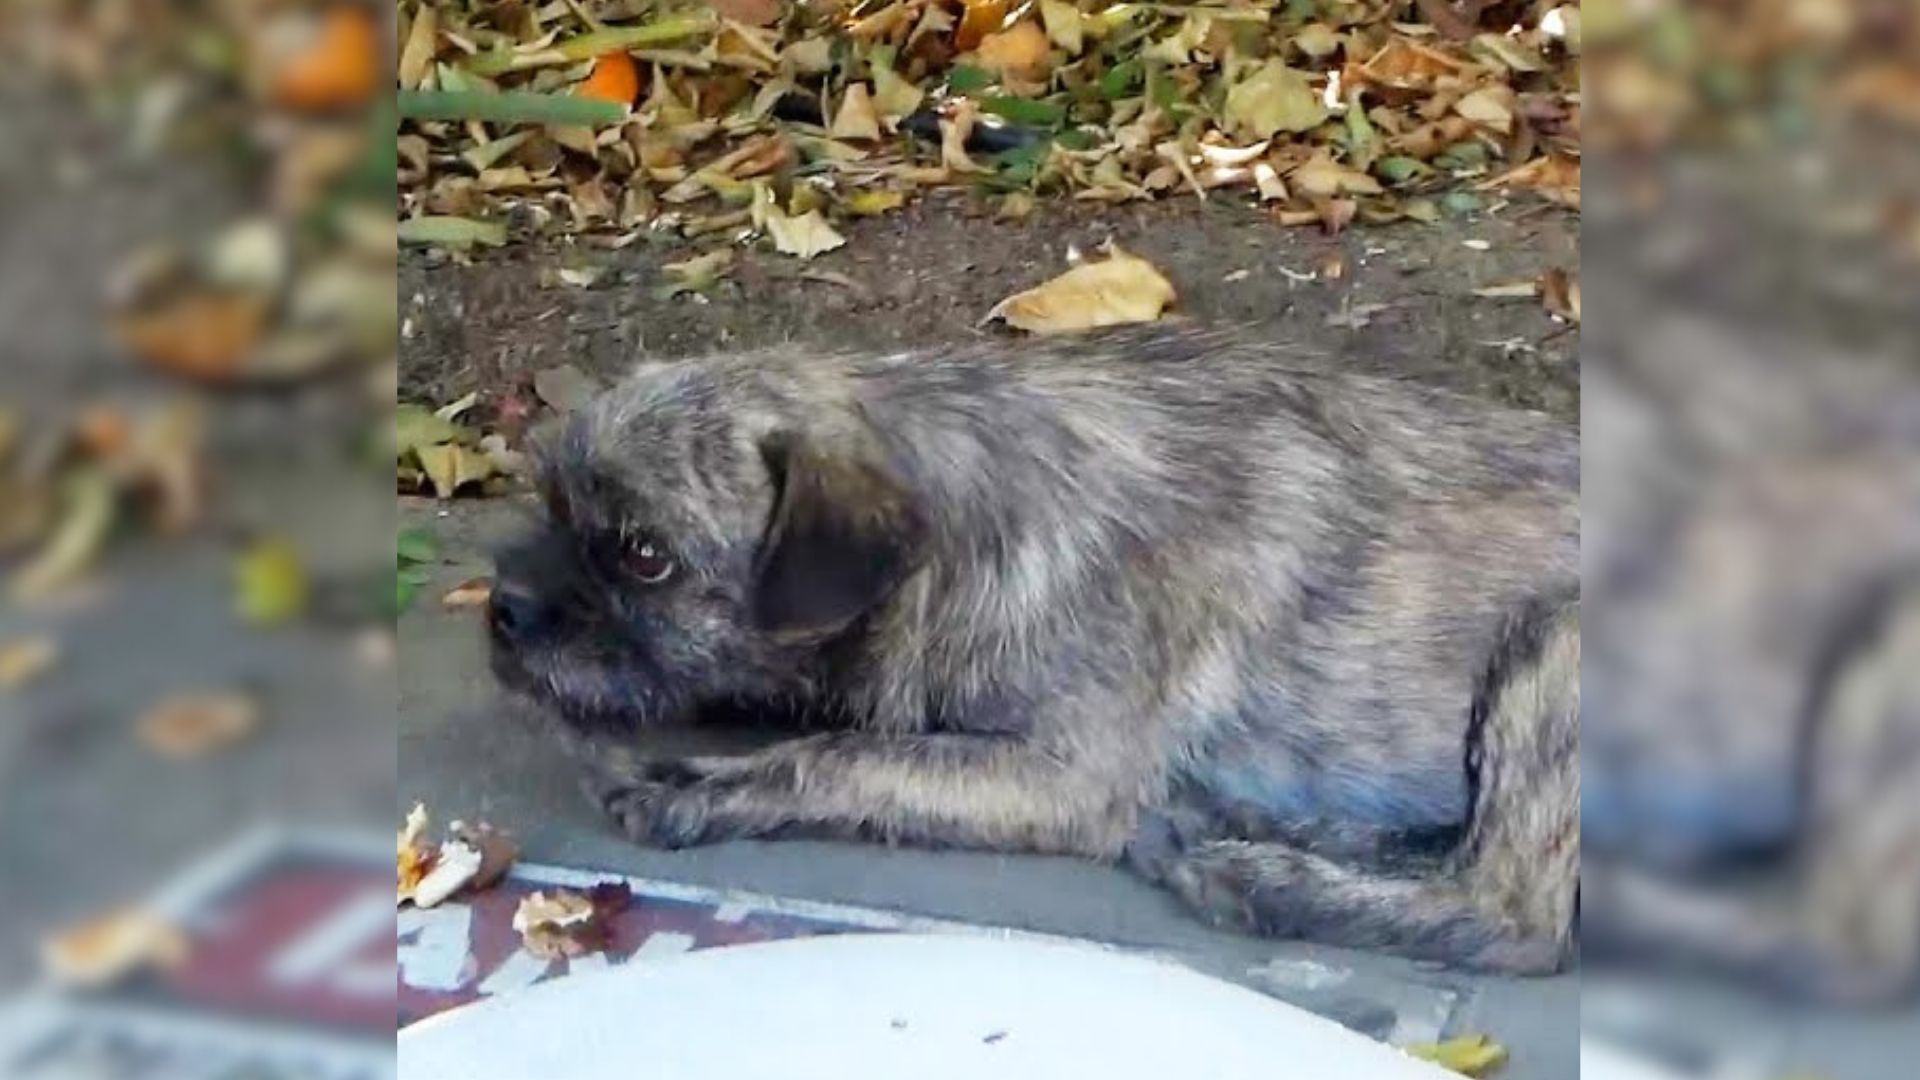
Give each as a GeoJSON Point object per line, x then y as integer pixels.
{"type": "Point", "coordinates": [1302, 645]}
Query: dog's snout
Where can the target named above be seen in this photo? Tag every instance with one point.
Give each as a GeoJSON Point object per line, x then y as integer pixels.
{"type": "Point", "coordinates": [516, 612]}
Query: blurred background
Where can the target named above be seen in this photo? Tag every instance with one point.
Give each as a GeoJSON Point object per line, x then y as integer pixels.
{"type": "Point", "coordinates": [196, 528]}
{"type": "Point", "coordinates": [1751, 245]}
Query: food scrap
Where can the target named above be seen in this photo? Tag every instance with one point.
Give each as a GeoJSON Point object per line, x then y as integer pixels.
{"type": "Point", "coordinates": [473, 857]}
{"type": "Point", "coordinates": [110, 948]}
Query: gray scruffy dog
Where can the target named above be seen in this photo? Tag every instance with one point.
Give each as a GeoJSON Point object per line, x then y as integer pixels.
{"type": "Point", "coordinates": [1301, 645]}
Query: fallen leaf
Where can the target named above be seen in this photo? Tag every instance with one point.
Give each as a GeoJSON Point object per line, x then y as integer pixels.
{"type": "Point", "coordinates": [1560, 293]}
{"type": "Point", "coordinates": [471, 593]}
{"type": "Point", "coordinates": [25, 660]}
{"type": "Point", "coordinates": [423, 41]}
{"type": "Point", "coordinates": [1019, 51]}
{"type": "Point", "coordinates": [698, 274]}
{"type": "Point", "coordinates": [452, 232]}
{"type": "Point", "coordinates": [1321, 176]}
{"type": "Point", "coordinates": [1272, 99]}
{"type": "Point", "coordinates": [111, 948]}
{"type": "Point", "coordinates": [1121, 288]}
{"type": "Point", "coordinates": [87, 516]}
{"type": "Point", "coordinates": [416, 426]}
{"type": "Point", "coordinates": [1066, 26]}
{"type": "Point", "coordinates": [565, 388]}
{"type": "Point", "coordinates": [982, 18]}
{"type": "Point", "coordinates": [1490, 107]}
{"type": "Point", "coordinates": [874, 202]}
{"type": "Point", "coordinates": [804, 236]}
{"type": "Point", "coordinates": [1317, 39]}
{"type": "Point", "coordinates": [856, 119]}
{"type": "Point", "coordinates": [1468, 1055]}
{"type": "Point", "coordinates": [200, 335]}
{"type": "Point", "coordinates": [270, 583]}
{"type": "Point", "coordinates": [1509, 290]}
{"type": "Point", "coordinates": [565, 923]}
{"type": "Point", "coordinates": [749, 12]}
{"type": "Point", "coordinates": [337, 68]}
{"type": "Point", "coordinates": [450, 467]}
{"type": "Point", "coordinates": [193, 726]}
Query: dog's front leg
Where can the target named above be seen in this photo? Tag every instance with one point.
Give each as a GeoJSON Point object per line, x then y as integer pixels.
{"type": "Point", "coordinates": [979, 791]}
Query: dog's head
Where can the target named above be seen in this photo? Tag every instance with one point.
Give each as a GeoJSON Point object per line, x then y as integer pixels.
{"type": "Point", "coordinates": [703, 538]}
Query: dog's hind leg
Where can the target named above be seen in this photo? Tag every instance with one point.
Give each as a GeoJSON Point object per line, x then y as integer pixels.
{"type": "Point", "coordinates": [1506, 898]}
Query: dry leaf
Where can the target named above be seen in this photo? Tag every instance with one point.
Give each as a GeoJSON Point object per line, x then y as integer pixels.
{"type": "Point", "coordinates": [1509, 290]}
{"type": "Point", "coordinates": [749, 12]}
{"type": "Point", "coordinates": [111, 948]}
{"type": "Point", "coordinates": [87, 516]}
{"type": "Point", "coordinates": [471, 593]}
{"type": "Point", "coordinates": [205, 335]}
{"type": "Point", "coordinates": [25, 660]}
{"type": "Point", "coordinates": [450, 467]}
{"type": "Point", "coordinates": [1560, 293]}
{"type": "Point", "coordinates": [1019, 51]}
{"type": "Point", "coordinates": [1121, 288]}
{"type": "Point", "coordinates": [698, 274]}
{"type": "Point", "coordinates": [1490, 107]}
{"type": "Point", "coordinates": [1066, 26]}
{"type": "Point", "coordinates": [565, 923]}
{"type": "Point", "coordinates": [423, 41]}
{"type": "Point", "coordinates": [1320, 176]}
{"type": "Point", "coordinates": [1317, 39]}
{"type": "Point", "coordinates": [804, 236]}
{"type": "Point", "coordinates": [1273, 99]}
{"type": "Point", "coordinates": [856, 119]}
{"type": "Point", "coordinates": [194, 725]}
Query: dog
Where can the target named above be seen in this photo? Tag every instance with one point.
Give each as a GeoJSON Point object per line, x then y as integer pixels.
{"type": "Point", "coordinates": [1300, 645]}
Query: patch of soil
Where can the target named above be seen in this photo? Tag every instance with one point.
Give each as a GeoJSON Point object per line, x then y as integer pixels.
{"type": "Point", "coordinates": [1403, 299]}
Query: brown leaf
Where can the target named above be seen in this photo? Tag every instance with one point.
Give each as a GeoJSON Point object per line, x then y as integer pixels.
{"type": "Point", "coordinates": [202, 335]}
{"type": "Point", "coordinates": [856, 119]}
{"type": "Point", "coordinates": [1560, 293]}
{"type": "Point", "coordinates": [1019, 51]}
{"type": "Point", "coordinates": [750, 12]}
{"type": "Point", "coordinates": [194, 725]}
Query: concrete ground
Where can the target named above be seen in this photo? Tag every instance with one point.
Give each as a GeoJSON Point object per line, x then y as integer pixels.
{"type": "Point", "coordinates": [1397, 299]}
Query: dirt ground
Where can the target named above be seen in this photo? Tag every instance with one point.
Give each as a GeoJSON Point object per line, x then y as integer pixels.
{"type": "Point", "coordinates": [1401, 301]}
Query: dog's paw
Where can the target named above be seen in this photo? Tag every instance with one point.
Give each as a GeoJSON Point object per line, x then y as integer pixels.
{"type": "Point", "coordinates": [662, 815]}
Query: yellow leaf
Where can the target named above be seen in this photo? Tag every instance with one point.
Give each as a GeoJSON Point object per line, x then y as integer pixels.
{"type": "Point", "coordinates": [1468, 1055]}
{"type": "Point", "coordinates": [874, 202]}
{"type": "Point", "coordinates": [1120, 289]}
{"type": "Point", "coordinates": [1274, 98]}
{"type": "Point", "coordinates": [423, 40]}
{"type": "Point", "coordinates": [451, 466]}
{"type": "Point", "coordinates": [270, 583]}
{"type": "Point", "coordinates": [1316, 39]}
{"type": "Point", "coordinates": [1065, 25]}
{"type": "Point", "coordinates": [893, 96]}
{"type": "Point", "coordinates": [804, 236]}
{"type": "Point", "coordinates": [856, 119]}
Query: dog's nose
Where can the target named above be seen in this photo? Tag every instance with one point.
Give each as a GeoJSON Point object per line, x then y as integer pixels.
{"type": "Point", "coordinates": [514, 610]}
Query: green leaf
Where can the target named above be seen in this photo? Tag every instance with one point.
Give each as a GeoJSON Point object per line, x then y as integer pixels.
{"type": "Point", "coordinates": [1077, 139]}
{"type": "Point", "coordinates": [517, 107]}
{"type": "Point", "coordinates": [415, 426]}
{"type": "Point", "coordinates": [598, 43]}
{"type": "Point", "coordinates": [1120, 79]}
{"type": "Point", "coordinates": [452, 232]}
{"type": "Point", "coordinates": [1025, 110]}
{"type": "Point", "coordinates": [1399, 169]}
{"type": "Point", "coordinates": [967, 79]}
{"type": "Point", "coordinates": [1460, 203]}
{"type": "Point", "coordinates": [416, 546]}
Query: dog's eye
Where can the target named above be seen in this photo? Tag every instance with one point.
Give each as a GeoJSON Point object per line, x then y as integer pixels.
{"type": "Point", "coordinates": [650, 563]}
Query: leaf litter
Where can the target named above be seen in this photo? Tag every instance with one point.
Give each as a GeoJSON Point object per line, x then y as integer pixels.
{"type": "Point", "coordinates": [614, 119]}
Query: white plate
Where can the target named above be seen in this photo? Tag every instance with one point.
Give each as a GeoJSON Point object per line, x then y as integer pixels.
{"type": "Point", "coordinates": [894, 1007]}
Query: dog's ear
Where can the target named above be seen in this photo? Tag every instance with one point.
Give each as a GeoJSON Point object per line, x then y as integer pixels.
{"type": "Point", "coordinates": [843, 535]}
